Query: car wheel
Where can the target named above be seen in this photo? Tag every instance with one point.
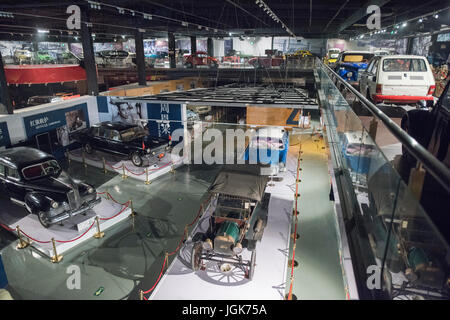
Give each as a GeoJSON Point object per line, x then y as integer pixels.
{"type": "Point", "coordinates": [136, 159]}
{"type": "Point", "coordinates": [213, 65]}
{"type": "Point", "coordinates": [88, 148]}
{"type": "Point", "coordinates": [43, 219]}
{"type": "Point", "coordinates": [189, 65]}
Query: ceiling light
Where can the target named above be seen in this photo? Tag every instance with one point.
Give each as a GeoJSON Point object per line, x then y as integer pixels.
{"type": "Point", "coordinates": [436, 16]}
{"type": "Point", "coordinates": [42, 31]}
{"type": "Point", "coordinates": [404, 24]}
{"type": "Point", "coordinates": [420, 20]}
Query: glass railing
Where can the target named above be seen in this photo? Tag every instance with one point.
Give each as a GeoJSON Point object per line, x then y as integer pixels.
{"type": "Point", "coordinates": [397, 251]}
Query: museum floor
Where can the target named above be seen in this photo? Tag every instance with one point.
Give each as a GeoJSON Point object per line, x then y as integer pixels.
{"type": "Point", "coordinates": [127, 260]}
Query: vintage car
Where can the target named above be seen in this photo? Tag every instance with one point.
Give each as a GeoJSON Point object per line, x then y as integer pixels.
{"type": "Point", "coordinates": [269, 146]}
{"type": "Point", "coordinates": [200, 58]}
{"type": "Point", "coordinates": [234, 56]}
{"type": "Point", "coordinates": [273, 58]}
{"type": "Point", "coordinates": [191, 117]}
{"type": "Point", "coordinates": [43, 57]}
{"type": "Point", "coordinates": [115, 58]}
{"type": "Point", "coordinates": [33, 179]}
{"type": "Point", "coordinates": [350, 64]}
{"type": "Point", "coordinates": [398, 79]}
{"type": "Point", "coordinates": [332, 56]}
{"type": "Point", "coordinates": [124, 139]}
{"type": "Point", "coordinates": [299, 54]}
{"type": "Point", "coordinates": [237, 222]}
{"type": "Point", "coordinates": [22, 56]}
{"type": "Point", "coordinates": [37, 100]}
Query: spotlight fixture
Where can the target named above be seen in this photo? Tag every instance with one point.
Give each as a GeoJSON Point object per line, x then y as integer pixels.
{"type": "Point", "coordinates": [42, 31]}
{"type": "Point", "coordinates": [420, 20]}
{"type": "Point", "coordinates": [184, 23]}
{"type": "Point", "coordinates": [94, 5]}
{"type": "Point", "coordinates": [404, 24]}
{"type": "Point", "coordinates": [147, 16]}
{"type": "Point", "coordinates": [436, 16]}
{"type": "Point", "coordinates": [4, 14]}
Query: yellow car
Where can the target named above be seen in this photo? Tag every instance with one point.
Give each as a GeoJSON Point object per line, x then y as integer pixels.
{"type": "Point", "coordinates": [302, 53]}
{"type": "Point", "coordinates": [332, 56]}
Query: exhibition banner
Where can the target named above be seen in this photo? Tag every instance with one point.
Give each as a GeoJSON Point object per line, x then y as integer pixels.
{"type": "Point", "coordinates": [3, 279]}
{"type": "Point", "coordinates": [72, 118]}
{"type": "Point", "coordinates": [4, 135]}
{"type": "Point", "coordinates": [164, 112]}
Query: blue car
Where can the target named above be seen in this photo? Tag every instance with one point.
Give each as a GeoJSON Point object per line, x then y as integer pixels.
{"type": "Point", "coordinates": [350, 64]}
{"type": "Point", "coordinates": [269, 146]}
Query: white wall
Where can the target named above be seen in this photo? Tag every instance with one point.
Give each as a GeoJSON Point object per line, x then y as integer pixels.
{"type": "Point", "coordinates": [219, 48]}
{"type": "Point", "coordinates": [260, 45]}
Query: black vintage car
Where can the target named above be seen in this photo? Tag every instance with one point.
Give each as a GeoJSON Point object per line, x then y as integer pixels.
{"type": "Point", "coordinates": [238, 220]}
{"type": "Point", "coordinates": [33, 179]}
{"type": "Point", "coordinates": [125, 139]}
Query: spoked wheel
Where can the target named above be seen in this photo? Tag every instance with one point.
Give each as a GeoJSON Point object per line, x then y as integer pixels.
{"type": "Point", "coordinates": [42, 219]}
{"type": "Point", "coordinates": [88, 148]}
{"type": "Point", "coordinates": [196, 255]}
{"type": "Point", "coordinates": [251, 270]}
{"type": "Point", "coordinates": [136, 159]}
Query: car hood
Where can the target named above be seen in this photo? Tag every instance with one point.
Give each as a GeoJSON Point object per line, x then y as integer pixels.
{"type": "Point", "coordinates": [354, 65]}
{"type": "Point", "coordinates": [150, 142]}
{"type": "Point", "coordinates": [61, 184]}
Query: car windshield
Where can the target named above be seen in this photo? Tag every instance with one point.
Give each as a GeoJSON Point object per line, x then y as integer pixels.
{"type": "Point", "coordinates": [334, 55]}
{"type": "Point", "coordinates": [417, 65]}
{"type": "Point", "coordinates": [40, 170]}
{"type": "Point", "coordinates": [133, 133]}
{"type": "Point", "coordinates": [267, 143]}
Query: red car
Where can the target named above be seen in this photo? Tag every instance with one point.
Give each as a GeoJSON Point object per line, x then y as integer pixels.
{"type": "Point", "coordinates": [273, 58]}
{"type": "Point", "coordinates": [200, 58]}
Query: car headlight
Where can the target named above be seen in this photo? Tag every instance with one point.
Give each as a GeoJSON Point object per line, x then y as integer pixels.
{"type": "Point", "coordinates": [54, 204]}
{"type": "Point", "coordinates": [349, 74]}
{"type": "Point", "coordinates": [148, 150]}
{"type": "Point", "coordinates": [90, 190]}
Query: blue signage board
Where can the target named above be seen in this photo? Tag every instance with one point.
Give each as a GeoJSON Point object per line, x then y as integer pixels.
{"type": "Point", "coordinates": [3, 279]}
{"type": "Point", "coordinates": [4, 135]}
{"type": "Point", "coordinates": [165, 112]}
{"type": "Point", "coordinates": [74, 117]}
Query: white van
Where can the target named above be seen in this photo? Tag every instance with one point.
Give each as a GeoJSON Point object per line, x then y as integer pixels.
{"type": "Point", "coordinates": [399, 79]}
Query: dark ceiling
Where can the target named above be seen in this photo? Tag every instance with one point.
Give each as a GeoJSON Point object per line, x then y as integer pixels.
{"type": "Point", "coordinates": [306, 18]}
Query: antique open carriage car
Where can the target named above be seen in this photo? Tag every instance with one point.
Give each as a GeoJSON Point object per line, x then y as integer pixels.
{"type": "Point", "coordinates": [238, 219]}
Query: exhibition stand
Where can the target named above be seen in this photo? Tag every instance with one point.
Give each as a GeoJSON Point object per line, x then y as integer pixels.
{"type": "Point", "coordinates": [125, 167]}
{"type": "Point", "coordinates": [59, 238]}
{"type": "Point", "coordinates": [269, 279]}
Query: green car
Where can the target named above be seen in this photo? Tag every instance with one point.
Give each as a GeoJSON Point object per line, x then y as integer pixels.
{"type": "Point", "coordinates": [43, 57]}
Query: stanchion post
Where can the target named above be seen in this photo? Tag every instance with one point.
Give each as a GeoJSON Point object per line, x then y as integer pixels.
{"type": "Point", "coordinates": [124, 176]}
{"type": "Point", "coordinates": [172, 170]}
{"type": "Point", "coordinates": [107, 194]}
{"type": "Point", "coordinates": [104, 165]}
{"type": "Point", "coordinates": [186, 232]}
{"type": "Point", "coordinates": [68, 157]}
{"type": "Point", "coordinates": [132, 207]}
{"type": "Point", "coordinates": [83, 156]}
{"type": "Point", "coordinates": [56, 257]}
{"type": "Point", "coordinates": [147, 182]}
{"type": "Point", "coordinates": [141, 295]}
{"type": "Point", "coordinates": [99, 234]}
{"type": "Point", "coordinates": [22, 244]}
{"type": "Point", "coordinates": [166, 257]}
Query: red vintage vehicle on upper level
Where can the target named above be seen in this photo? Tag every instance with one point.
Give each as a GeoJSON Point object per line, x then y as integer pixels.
{"type": "Point", "coordinates": [273, 58]}
{"type": "Point", "coordinates": [200, 58]}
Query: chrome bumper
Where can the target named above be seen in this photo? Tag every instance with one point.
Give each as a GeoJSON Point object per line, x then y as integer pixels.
{"type": "Point", "coordinates": [68, 214]}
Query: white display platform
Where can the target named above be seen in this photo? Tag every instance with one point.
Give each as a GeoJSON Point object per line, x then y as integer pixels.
{"type": "Point", "coordinates": [115, 164]}
{"type": "Point", "coordinates": [14, 215]}
{"type": "Point", "coordinates": [272, 254]}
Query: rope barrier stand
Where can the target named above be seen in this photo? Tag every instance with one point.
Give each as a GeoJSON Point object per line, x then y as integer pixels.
{"type": "Point", "coordinates": [172, 170]}
{"type": "Point", "coordinates": [124, 175]}
{"type": "Point", "coordinates": [22, 244]}
{"type": "Point", "coordinates": [68, 157]}
{"type": "Point", "coordinates": [294, 235]}
{"type": "Point", "coordinates": [83, 158]}
{"type": "Point", "coordinates": [104, 165]}
{"type": "Point", "coordinates": [99, 234]}
{"type": "Point", "coordinates": [56, 257]}
{"type": "Point", "coordinates": [147, 182]}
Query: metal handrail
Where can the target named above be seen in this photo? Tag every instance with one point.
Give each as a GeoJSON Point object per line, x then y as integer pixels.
{"type": "Point", "coordinates": [435, 167]}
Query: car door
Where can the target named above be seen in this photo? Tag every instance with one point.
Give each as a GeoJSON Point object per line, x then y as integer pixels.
{"type": "Point", "coordinates": [372, 77]}
{"type": "Point", "coordinates": [14, 186]}
{"type": "Point", "coordinates": [115, 142]}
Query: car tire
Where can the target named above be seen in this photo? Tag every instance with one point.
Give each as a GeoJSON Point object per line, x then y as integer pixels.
{"type": "Point", "coordinates": [42, 220]}
{"type": "Point", "coordinates": [189, 65]}
{"type": "Point", "coordinates": [88, 148]}
{"type": "Point", "coordinates": [136, 159]}
{"type": "Point", "coordinates": [213, 65]}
